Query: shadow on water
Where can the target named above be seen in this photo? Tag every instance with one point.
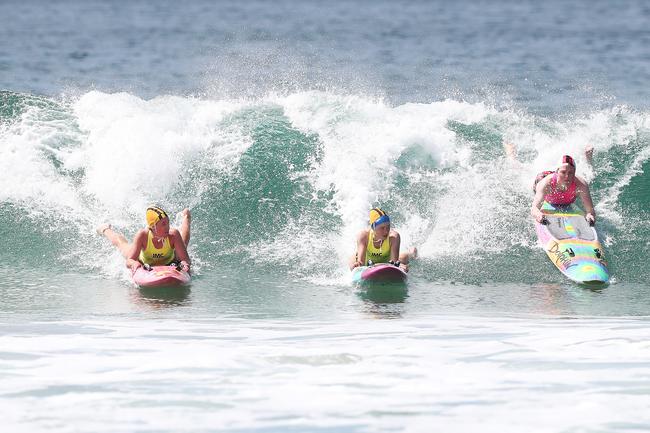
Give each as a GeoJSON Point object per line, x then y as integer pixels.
{"type": "Point", "coordinates": [383, 293]}
{"type": "Point", "coordinates": [162, 297]}
{"type": "Point", "coordinates": [595, 287]}
{"type": "Point", "coordinates": [383, 300]}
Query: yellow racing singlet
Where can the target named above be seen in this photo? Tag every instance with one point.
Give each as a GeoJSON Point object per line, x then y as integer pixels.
{"type": "Point", "coordinates": [377, 255]}
{"type": "Point", "coordinates": [154, 256]}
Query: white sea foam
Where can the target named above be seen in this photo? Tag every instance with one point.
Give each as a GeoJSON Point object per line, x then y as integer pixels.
{"type": "Point", "coordinates": [477, 202]}
{"type": "Point", "coordinates": [28, 146]}
{"type": "Point", "coordinates": [362, 141]}
{"type": "Point", "coordinates": [136, 151]}
{"type": "Point", "coordinates": [116, 153]}
{"type": "Point", "coordinates": [457, 373]}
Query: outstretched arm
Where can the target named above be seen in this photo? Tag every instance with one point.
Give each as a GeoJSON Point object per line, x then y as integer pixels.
{"type": "Point", "coordinates": [180, 251]}
{"type": "Point", "coordinates": [585, 196]}
{"type": "Point", "coordinates": [395, 242]}
{"type": "Point", "coordinates": [362, 241]}
{"type": "Point", "coordinates": [138, 244]}
{"type": "Point", "coordinates": [540, 192]}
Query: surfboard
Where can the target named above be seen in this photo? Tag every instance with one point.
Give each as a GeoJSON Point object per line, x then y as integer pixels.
{"type": "Point", "coordinates": [161, 276]}
{"type": "Point", "coordinates": [379, 273]}
{"type": "Point", "coordinates": [572, 244]}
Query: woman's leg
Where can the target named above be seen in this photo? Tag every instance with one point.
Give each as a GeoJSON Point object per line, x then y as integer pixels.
{"type": "Point", "coordinates": [408, 256]}
{"type": "Point", "coordinates": [116, 239]}
{"type": "Point", "coordinates": [184, 229]}
{"type": "Point", "coordinates": [511, 150]}
{"type": "Point", "coordinates": [589, 154]}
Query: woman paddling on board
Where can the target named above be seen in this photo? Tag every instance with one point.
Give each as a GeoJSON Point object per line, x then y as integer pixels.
{"type": "Point", "coordinates": [380, 244]}
{"type": "Point", "coordinates": [156, 245]}
{"type": "Point", "coordinates": [561, 187]}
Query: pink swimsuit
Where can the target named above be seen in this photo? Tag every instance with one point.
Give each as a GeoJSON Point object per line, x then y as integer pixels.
{"type": "Point", "coordinates": [561, 197]}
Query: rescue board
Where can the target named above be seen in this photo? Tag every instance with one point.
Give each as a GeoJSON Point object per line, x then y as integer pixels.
{"type": "Point", "coordinates": [379, 273]}
{"type": "Point", "coordinates": [161, 276]}
{"type": "Point", "coordinates": [572, 244]}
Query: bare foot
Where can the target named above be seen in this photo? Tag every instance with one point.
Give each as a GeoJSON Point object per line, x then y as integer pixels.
{"type": "Point", "coordinates": [511, 150]}
{"type": "Point", "coordinates": [102, 228]}
{"type": "Point", "coordinates": [589, 153]}
{"type": "Point", "coordinates": [409, 255]}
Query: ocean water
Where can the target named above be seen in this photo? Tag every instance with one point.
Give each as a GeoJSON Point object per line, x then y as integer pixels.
{"type": "Point", "coordinates": [280, 124]}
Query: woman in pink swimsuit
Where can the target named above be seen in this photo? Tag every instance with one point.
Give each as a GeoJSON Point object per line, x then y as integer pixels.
{"type": "Point", "coordinates": [562, 187]}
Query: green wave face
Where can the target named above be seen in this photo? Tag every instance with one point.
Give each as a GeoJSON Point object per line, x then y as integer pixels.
{"type": "Point", "coordinates": [284, 183]}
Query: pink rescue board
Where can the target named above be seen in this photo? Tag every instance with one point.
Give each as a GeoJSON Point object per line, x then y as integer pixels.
{"type": "Point", "coordinates": [381, 272]}
{"type": "Point", "coordinates": [161, 276]}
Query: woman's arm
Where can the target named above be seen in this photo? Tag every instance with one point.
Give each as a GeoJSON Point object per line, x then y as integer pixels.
{"type": "Point", "coordinates": [395, 242]}
{"type": "Point", "coordinates": [585, 196]}
{"type": "Point", "coordinates": [540, 192]}
{"type": "Point", "coordinates": [132, 260]}
{"type": "Point", "coordinates": [180, 251]}
{"type": "Point", "coordinates": [362, 246]}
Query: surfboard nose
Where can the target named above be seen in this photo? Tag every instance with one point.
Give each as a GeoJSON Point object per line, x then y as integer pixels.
{"type": "Point", "coordinates": [589, 273]}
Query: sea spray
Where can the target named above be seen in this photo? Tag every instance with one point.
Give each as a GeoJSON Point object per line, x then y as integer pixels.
{"type": "Point", "coordinates": [285, 182]}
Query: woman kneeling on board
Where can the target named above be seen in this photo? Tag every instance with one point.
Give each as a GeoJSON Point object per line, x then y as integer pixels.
{"type": "Point", "coordinates": [156, 245]}
{"type": "Point", "coordinates": [380, 244]}
{"type": "Point", "coordinates": [561, 187]}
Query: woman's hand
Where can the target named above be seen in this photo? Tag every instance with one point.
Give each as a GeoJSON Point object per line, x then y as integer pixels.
{"type": "Point", "coordinates": [185, 266]}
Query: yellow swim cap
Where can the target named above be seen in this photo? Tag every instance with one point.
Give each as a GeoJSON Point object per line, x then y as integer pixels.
{"type": "Point", "coordinates": [378, 216]}
{"type": "Point", "coordinates": [155, 214]}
